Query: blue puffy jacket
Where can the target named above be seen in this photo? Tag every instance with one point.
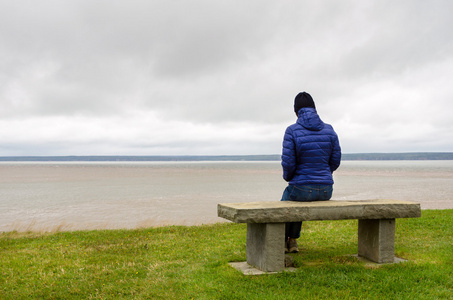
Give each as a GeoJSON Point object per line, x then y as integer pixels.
{"type": "Point", "coordinates": [311, 150]}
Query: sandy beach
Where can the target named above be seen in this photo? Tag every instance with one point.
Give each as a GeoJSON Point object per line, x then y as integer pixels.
{"type": "Point", "coordinates": [63, 196]}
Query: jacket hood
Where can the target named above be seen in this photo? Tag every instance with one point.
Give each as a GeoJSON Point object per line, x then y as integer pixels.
{"type": "Point", "coordinates": [309, 118]}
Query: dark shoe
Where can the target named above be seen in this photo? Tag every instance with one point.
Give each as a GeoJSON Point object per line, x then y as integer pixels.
{"type": "Point", "coordinates": [292, 246]}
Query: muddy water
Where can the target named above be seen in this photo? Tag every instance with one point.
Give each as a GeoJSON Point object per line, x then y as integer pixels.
{"type": "Point", "coordinates": [108, 195]}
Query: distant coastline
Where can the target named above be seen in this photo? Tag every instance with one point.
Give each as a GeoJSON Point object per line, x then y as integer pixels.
{"type": "Point", "coordinates": [271, 157]}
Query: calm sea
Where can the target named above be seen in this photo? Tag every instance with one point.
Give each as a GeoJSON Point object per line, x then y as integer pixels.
{"type": "Point", "coordinates": [54, 196]}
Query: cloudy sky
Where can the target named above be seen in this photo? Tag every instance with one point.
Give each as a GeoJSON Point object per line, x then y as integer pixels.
{"type": "Point", "coordinates": [174, 77]}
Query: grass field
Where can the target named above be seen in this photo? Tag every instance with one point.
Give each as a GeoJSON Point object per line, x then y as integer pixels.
{"type": "Point", "coordinates": [180, 262]}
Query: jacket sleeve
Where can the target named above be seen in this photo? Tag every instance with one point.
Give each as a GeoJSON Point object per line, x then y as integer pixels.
{"type": "Point", "coordinates": [288, 155]}
{"type": "Point", "coordinates": [335, 158]}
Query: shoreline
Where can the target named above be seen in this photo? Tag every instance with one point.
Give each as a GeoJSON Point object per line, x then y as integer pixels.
{"type": "Point", "coordinates": [233, 158]}
{"type": "Point", "coordinates": [70, 227]}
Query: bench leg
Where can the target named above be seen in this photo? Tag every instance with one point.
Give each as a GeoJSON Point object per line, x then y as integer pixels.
{"type": "Point", "coordinates": [377, 240]}
{"type": "Point", "coordinates": [265, 246]}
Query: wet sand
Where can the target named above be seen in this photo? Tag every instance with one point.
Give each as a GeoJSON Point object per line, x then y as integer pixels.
{"type": "Point", "coordinates": [60, 197]}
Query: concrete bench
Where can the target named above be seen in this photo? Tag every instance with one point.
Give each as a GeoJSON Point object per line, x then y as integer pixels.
{"type": "Point", "coordinates": [266, 226]}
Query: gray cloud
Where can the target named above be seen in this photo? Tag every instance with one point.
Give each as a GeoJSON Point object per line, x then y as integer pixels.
{"type": "Point", "coordinates": [376, 69]}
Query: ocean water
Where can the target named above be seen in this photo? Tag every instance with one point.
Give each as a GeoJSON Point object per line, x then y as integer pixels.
{"type": "Point", "coordinates": [52, 196]}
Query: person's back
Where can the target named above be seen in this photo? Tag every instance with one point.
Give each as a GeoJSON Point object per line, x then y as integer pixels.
{"type": "Point", "coordinates": [311, 152]}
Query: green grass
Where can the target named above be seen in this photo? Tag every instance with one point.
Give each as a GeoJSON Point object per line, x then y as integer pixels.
{"type": "Point", "coordinates": [180, 262]}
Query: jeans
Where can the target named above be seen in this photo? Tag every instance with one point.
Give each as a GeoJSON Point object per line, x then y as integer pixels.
{"type": "Point", "coordinates": [304, 193]}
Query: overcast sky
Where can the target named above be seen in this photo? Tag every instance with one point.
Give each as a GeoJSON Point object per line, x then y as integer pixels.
{"type": "Point", "coordinates": [174, 77]}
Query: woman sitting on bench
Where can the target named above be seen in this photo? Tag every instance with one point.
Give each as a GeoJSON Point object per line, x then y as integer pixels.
{"type": "Point", "coordinates": [311, 152]}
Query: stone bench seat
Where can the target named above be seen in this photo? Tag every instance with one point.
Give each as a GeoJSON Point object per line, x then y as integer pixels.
{"type": "Point", "coordinates": [266, 225]}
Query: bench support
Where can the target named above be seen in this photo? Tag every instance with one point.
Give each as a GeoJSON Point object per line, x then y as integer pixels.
{"type": "Point", "coordinates": [377, 240]}
{"type": "Point", "coordinates": [265, 243]}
